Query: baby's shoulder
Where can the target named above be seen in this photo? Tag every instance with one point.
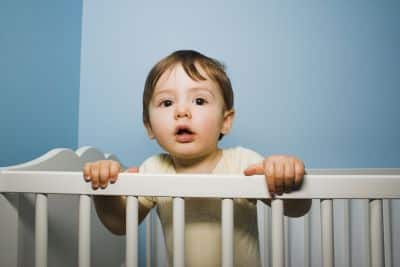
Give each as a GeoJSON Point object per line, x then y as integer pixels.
{"type": "Point", "coordinates": [239, 158]}
{"type": "Point", "coordinates": [242, 153]}
{"type": "Point", "coordinates": [159, 163]}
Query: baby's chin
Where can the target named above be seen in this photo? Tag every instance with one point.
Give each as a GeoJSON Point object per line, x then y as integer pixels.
{"type": "Point", "coordinates": [185, 155]}
{"type": "Point", "coordinates": [187, 152]}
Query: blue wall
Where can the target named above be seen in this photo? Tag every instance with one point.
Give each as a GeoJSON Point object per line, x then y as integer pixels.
{"type": "Point", "coordinates": [318, 80]}
{"type": "Point", "coordinates": [40, 45]}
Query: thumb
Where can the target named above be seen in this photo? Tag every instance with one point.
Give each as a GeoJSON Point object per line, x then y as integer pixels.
{"type": "Point", "coordinates": [132, 170]}
{"type": "Point", "coordinates": [254, 169]}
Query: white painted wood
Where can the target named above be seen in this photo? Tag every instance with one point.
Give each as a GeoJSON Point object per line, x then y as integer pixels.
{"type": "Point", "coordinates": [286, 240]}
{"type": "Point", "coordinates": [267, 236]}
{"type": "Point", "coordinates": [376, 233]}
{"type": "Point", "coordinates": [156, 240]}
{"type": "Point", "coordinates": [395, 232]}
{"type": "Point", "coordinates": [9, 221]}
{"type": "Point", "coordinates": [367, 233]}
{"type": "Point", "coordinates": [315, 233]}
{"type": "Point", "coordinates": [327, 233]}
{"type": "Point", "coordinates": [178, 220]}
{"type": "Point", "coordinates": [148, 241]}
{"type": "Point", "coordinates": [111, 254]}
{"type": "Point", "coordinates": [199, 185]}
{"type": "Point", "coordinates": [278, 246]}
{"type": "Point", "coordinates": [295, 246]}
{"type": "Point", "coordinates": [227, 233]}
{"type": "Point", "coordinates": [346, 233]}
{"type": "Point", "coordinates": [41, 231]}
{"type": "Point", "coordinates": [59, 159]}
{"type": "Point", "coordinates": [59, 171]}
{"type": "Point", "coordinates": [132, 220]}
{"type": "Point", "coordinates": [62, 159]}
{"type": "Point", "coordinates": [62, 216]}
{"type": "Point", "coordinates": [84, 231]}
{"type": "Point", "coordinates": [307, 240]}
{"type": "Point", "coordinates": [387, 235]}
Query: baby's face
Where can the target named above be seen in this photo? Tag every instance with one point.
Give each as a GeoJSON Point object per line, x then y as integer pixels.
{"type": "Point", "coordinates": [187, 116]}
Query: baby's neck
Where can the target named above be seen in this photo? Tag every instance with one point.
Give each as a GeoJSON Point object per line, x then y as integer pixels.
{"type": "Point", "coordinates": [204, 164]}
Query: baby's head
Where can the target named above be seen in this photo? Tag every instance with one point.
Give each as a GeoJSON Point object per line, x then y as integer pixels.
{"type": "Point", "coordinates": [194, 64]}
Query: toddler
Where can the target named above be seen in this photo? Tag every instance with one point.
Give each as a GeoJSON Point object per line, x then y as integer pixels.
{"type": "Point", "coordinates": [187, 109]}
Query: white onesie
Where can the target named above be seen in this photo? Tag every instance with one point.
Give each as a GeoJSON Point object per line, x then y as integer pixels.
{"type": "Point", "coordinates": [203, 216]}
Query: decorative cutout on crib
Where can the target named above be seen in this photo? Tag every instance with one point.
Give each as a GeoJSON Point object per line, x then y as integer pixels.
{"type": "Point", "coordinates": [63, 159]}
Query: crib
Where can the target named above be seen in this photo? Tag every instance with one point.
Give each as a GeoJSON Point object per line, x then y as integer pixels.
{"type": "Point", "coordinates": [37, 197]}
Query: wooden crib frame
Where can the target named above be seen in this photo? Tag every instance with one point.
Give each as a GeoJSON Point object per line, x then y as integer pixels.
{"type": "Point", "coordinates": [59, 172]}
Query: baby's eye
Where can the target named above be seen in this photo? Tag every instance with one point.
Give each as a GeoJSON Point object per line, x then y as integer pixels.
{"type": "Point", "coordinates": [200, 101]}
{"type": "Point", "coordinates": [166, 103]}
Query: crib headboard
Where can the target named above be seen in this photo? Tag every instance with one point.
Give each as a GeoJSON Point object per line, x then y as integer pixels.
{"type": "Point", "coordinates": [17, 217]}
{"type": "Point", "coordinates": [62, 159]}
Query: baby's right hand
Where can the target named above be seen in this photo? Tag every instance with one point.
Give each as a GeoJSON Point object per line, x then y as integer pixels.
{"type": "Point", "coordinates": [101, 172]}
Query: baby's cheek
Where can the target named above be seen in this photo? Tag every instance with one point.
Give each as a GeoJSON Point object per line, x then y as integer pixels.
{"type": "Point", "coordinates": [160, 116]}
{"type": "Point", "coordinates": [211, 127]}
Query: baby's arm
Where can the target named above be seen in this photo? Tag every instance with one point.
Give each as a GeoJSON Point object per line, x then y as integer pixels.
{"type": "Point", "coordinates": [110, 209]}
{"type": "Point", "coordinates": [283, 174]}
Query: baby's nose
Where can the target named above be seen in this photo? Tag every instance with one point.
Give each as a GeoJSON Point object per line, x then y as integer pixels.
{"type": "Point", "coordinates": [182, 111]}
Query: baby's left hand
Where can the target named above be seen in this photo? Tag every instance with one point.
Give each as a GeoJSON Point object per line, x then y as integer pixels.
{"type": "Point", "coordinates": [283, 173]}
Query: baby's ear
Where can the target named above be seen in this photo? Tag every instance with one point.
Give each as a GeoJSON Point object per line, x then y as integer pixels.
{"type": "Point", "coordinates": [229, 115]}
{"type": "Point", "coordinates": [149, 131]}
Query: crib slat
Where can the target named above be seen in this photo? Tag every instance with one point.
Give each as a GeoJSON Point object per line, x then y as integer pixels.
{"type": "Point", "coordinates": [307, 243]}
{"type": "Point", "coordinates": [154, 238]}
{"type": "Point", "coordinates": [327, 232]}
{"type": "Point", "coordinates": [366, 233]}
{"type": "Point", "coordinates": [84, 231]}
{"type": "Point", "coordinates": [227, 233]}
{"type": "Point", "coordinates": [387, 235]}
{"type": "Point", "coordinates": [267, 236]}
{"type": "Point", "coordinates": [41, 230]}
{"type": "Point", "coordinates": [178, 218]}
{"type": "Point", "coordinates": [347, 233]}
{"type": "Point", "coordinates": [132, 210]}
{"type": "Point", "coordinates": [376, 233]}
{"type": "Point", "coordinates": [278, 255]}
{"type": "Point", "coordinates": [149, 224]}
{"type": "Point", "coordinates": [286, 233]}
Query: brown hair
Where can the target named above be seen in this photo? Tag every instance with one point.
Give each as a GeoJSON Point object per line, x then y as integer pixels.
{"type": "Point", "coordinates": [187, 58]}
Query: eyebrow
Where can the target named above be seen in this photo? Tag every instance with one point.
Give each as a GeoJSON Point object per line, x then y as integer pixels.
{"type": "Point", "coordinates": [195, 88]}
{"type": "Point", "coordinates": [162, 91]}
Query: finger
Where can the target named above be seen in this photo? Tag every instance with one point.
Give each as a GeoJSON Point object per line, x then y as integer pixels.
{"type": "Point", "coordinates": [86, 172]}
{"type": "Point", "coordinates": [269, 173]}
{"type": "Point", "coordinates": [114, 171]}
{"type": "Point", "coordinates": [104, 174]}
{"type": "Point", "coordinates": [279, 175]}
{"type": "Point", "coordinates": [289, 177]}
{"type": "Point", "coordinates": [94, 174]}
{"type": "Point", "coordinates": [254, 169]}
{"type": "Point", "coordinates": [133, 169]}
{"type": "Point", "coordinates": [299, 173]}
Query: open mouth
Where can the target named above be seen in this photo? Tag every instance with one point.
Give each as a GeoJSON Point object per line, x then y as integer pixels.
{"type": "Point", "coordinates": [183, 131]}
{"type": "Point", "coordinates": [184, 134]}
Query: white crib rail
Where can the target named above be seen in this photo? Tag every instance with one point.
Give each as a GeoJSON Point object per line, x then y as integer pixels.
{"type": "Point", "coordinates": [384, 184]}
{"type": "Point", "coordinates": [316, 186]}
{"type": "Point", "coordinates": [372, 184]}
